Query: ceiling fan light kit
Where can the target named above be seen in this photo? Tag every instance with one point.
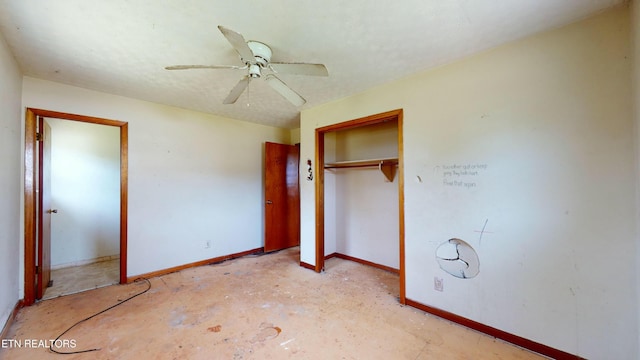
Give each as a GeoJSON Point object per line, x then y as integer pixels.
{"type": "Point", "coordinates": [254, 71]}
{"type": "Point", "coordinates": [256, 57]}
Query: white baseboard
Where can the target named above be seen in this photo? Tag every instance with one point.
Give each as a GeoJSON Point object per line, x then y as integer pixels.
{"type": "Point", "coordinates": [85, 262]}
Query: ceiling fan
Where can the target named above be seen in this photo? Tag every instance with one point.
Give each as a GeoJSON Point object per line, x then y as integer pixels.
{"type": "Point", "coordinates": [256, 57]}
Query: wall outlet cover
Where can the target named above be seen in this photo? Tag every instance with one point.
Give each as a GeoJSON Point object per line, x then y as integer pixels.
{"type": "Point", "coordinates": [438, 283]}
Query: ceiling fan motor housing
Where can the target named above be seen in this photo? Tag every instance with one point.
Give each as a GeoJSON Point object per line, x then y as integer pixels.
{"type": "Point", "coordinates": [261, 52]}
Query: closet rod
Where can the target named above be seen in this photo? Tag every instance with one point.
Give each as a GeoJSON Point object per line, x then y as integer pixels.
{"type": "Point", "coordinates": [361, 163]}
{"type": "Point", "coordinates": [387, 166]}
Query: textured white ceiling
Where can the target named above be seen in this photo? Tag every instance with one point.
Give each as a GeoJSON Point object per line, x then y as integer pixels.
{"type": "Point", "coordinates": [122, 46]}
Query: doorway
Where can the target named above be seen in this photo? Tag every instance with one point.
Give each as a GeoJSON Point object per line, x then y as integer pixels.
{"type": "Point", "coordinates": [387, 166]}
{"type": "Point", "coordinates": [85, 204]}
{"type": "Point", "coordinates": [34, 251]}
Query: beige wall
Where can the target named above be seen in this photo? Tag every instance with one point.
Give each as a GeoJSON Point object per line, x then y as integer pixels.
{"type": "Point", "coordinates": [546, 123]}
{"type": "Point", "coordinates": [365, 202]}
{"type": "Point", "coordinates": [294, 136]}
{"type": "Point", "coordinates": [10, 169]}
{"type": "Point", "coordinates": [635, 36]}
{"type": "Point", "coordinates": [193, 178]}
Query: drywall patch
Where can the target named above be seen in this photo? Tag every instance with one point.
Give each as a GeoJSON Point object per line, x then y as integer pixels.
{"type": "Point", "coordinates": [458, 258]}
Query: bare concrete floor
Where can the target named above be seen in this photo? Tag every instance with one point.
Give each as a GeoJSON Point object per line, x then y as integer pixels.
{"type": "Point", "coordinates": [262, 307]}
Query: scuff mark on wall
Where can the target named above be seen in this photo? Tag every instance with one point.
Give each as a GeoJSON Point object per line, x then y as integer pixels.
{"type": "Point", "coordinates": [456, 257]}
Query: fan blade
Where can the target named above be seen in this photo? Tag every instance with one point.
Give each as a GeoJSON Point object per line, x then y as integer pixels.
{"type": "Point", "coordinates": [186, 67]}
{"type": "Point", "coordinates": [300, 69]}
{"type": "Point", "coordinates": [237, 91]}
{"type": "Point", "coordinates": [238, 42]}
{"type": "Point", "coordinates": [282, 88]}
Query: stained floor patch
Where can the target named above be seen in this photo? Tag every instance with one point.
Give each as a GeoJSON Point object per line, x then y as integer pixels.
{"type": "Point", "coordinates": [216, 328]}
{"type": "Point", "coordinates": [267, 332]}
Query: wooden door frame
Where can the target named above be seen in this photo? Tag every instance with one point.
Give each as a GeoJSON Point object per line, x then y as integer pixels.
{"type": "Point", "coordinates": [30, 196]}
{"type": "Point", "coordinates": [43, 151]}
{"type": "Point", "coordinates": [394, 115]}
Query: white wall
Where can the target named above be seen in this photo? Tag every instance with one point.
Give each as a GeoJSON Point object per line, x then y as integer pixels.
{"type": "Point", "coordinates": [10, 169]}
{"type": "Point", "coordinates": [193, 178]}
{"type": "Point", "coordinates": [85, 189]}
{"type": "Point", "coordinates": [366, 204]}
{"type": "Point", "coordinates": [551, 118]}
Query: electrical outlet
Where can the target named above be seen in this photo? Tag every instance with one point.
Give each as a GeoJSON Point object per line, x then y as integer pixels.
{"type": "Point", "coordinates": [438, 283]}
{"type": "Point", "coordinates": [207, 244]}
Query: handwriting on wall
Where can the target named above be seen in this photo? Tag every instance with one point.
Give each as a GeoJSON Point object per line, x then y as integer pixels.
{"type": "Point", "coordinates": [462, 175]}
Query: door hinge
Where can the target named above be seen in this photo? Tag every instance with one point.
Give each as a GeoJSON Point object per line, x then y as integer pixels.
{"type": "Point", "coordinates": [38, 136]}
{"type": "Point", "coordinates": [37, 269]}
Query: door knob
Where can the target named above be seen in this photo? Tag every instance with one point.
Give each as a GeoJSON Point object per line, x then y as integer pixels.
{"type": "Point", "coordinates": [269, 202]}
{"type": "Point", "coordinates": [52, 211]}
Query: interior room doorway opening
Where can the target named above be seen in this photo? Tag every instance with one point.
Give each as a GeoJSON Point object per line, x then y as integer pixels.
{"type": "Point", "coordinates": [35, 243]}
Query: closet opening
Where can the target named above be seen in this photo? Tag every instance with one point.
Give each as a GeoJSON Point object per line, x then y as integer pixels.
{"type": "Point", "coordinates": [359, 209]}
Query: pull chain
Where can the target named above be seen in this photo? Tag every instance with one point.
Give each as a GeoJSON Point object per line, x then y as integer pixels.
{"type": "Point", "coordinates": [248, 92]}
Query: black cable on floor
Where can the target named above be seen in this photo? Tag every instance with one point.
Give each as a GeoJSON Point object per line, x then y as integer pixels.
{"type": "Point", "coordinates": [94, 315]}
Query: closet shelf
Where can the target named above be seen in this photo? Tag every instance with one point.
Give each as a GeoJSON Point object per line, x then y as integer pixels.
{"type": "Point", "coordinates": [386, 165]}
